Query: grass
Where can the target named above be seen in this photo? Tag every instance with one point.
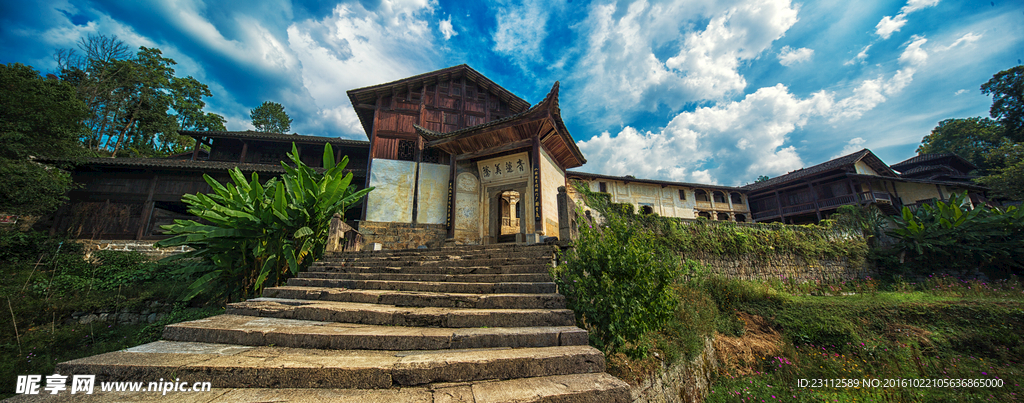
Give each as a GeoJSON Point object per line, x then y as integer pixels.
{"type": "Point", "coordinates": [942, 328]}
{"type": "Point", "coordinates": [45, 281]}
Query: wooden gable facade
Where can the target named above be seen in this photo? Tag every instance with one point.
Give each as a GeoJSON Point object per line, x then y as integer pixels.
{"type": "Point", "coordinates": [449, 130]}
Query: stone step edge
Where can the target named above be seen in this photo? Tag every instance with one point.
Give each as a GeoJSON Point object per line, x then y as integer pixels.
{"type": "Point", "coordinates": [251, 331]}
{"type": "Point", "coordinates": [596, 387]}
{"type": "Point", "coordinates": [374, 314]}
{"type": "Point", "coordinates": [419, 298]}
{"type": "Point", "coordinates": [240, 366]}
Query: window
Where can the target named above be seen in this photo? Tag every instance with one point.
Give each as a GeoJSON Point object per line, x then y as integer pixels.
{"type": "Point", "coordinates": [719, 197]}
{"type": "Point", "coordinates": [406, 150]}
{"type": "Point", "coordinates": [603, 186]}
{"type": "Point", "coordinates": [646, 208]}
{"type": "Point", "coordinates": [723, 217]}
{"type": "Point", "coordinates": [741, 218]}
{"type": "Point", "coordinates": [736, 198]}
{"type": "Point", "coordinates": [682, 194]}
{"type": "Point", "coordinates": [700, 196]}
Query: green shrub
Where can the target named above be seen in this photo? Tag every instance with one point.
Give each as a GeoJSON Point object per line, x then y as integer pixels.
{"type": "Point", "coordinates": [617, 278]}
{"type": "Point", "coordinates": [951, 236]}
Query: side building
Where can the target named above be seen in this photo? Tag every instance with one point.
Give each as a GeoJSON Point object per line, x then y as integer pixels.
{"type": "Point", "coordinates": [130, 198]}
{"type": "Point", "coordinates": [811, 194]}
{"type": "Point", "coordinates": [671, 199]}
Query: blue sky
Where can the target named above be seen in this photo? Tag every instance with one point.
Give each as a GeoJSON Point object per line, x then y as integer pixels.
{"type": "Point", "coordinates": [705, 91]}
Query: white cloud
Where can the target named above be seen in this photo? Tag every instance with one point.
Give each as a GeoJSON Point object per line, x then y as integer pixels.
{"type": "Point", "coordinates": [914, 5]}
{"type": "Point", "coordinates": [913, 55]}
{"type": "Point", "coordinates": [521, 31]}
{"type": "Point", "coordinates": [355, 47]}
{"type": "Point", "coordinates": [734, 142]}
{"type": "Point", "coordinates": [967, 39]}
{"type": "Point", "coordinates": [619, 66]}
{"type": "Point", "coordinates": [789, 56]}
{"type": "Point", "coordinates": [744, 138]}
{"type": "Point", "coordinates": [446, 28]}
{"type": "Point", "coordinates": [855, 144]}
{"type": "Point", "coordinates": [860, 56]}
{"type": "Point", "coordinates": [960, 92]}
{"type": "Point", "coordinates": [888, 24]}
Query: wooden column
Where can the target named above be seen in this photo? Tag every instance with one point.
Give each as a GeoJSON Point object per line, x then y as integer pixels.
{"type": "Point", "coordinates": [245, 149]}
{"type": "Point", "coordinates": [147, 210]}
{"type": "Point", "coordinates": [778, 206]}
{"type": "Point", "coordinates": [814, 196]}
{"type": "Point", "coordinates": [195, 149]}
{"type": "Point", "coordinates": [536, 186]}
{"type": "Point", "coordinates": [450, 221]}
{"type": "Point", "coordinates": [416, 158]}
{"type": "Point", "coordinates": [369, 155]}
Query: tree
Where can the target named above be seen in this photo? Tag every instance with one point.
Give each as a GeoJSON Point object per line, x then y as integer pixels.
{"type": "Point", "coordinates": [971, 138]}
{"type": "Point", "coordinates": [1007, 182]}
{"type": "Point", "coordinates": [270, 118]}
{"type": "Point", "coordinates": [135, 101]}
{"type": "Point", "coordinates": [40, 119]}
{"type": "Point", "coordinates": [762, 178]}
{"type": "Point", "coordinates": [1007, 90]}
{"type": "Point", "coordinates": [255, 234]}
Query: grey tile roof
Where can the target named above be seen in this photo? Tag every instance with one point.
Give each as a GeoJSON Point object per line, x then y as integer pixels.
{"type": "Point", "coordinates": [253, 135]}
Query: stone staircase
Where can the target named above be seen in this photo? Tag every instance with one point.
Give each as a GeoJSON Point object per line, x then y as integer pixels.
{"type": "Point", "coordinates": [467, 324]}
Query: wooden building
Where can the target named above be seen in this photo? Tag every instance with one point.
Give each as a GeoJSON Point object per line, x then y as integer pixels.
{"type": "Point", "coordinates": [449, 152]}
{"type": "Point", "coordinates": [811, 194]}
{"type": "Point", "coordinates": [130, 198]}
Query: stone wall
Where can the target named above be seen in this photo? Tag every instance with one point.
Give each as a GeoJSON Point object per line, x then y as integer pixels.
{"type": "Point", "coordinates": [144, 247]}
{"type": "Point", "coordinates": [148, 313]}
{"type": "Point", "coordinates": [394, 235]}
{"type": "Point", "coordinates": [783, 267]}
{"type": "Point", "coordinates": [684, 381]}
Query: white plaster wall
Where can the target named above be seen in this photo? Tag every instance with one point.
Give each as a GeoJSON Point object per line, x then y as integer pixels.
{"type": "Point", "coordinates": [665, 200]}
{"type": "Point", "coordinates": [433, 198]}
{"type": "Point", "coordinates": [864, 169]}
{"type": "Point", "coordinates": [391, 200]}
{"type": "Point", "coordinates": [551, 177]}
{"type": "Point", "coordinates": [467, 208]}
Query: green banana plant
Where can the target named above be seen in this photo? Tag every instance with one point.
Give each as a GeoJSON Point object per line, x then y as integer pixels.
{"type": "Point", "coordinates": [257, 234]}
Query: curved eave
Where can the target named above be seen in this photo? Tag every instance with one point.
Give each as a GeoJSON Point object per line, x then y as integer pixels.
{"type": "Point", "coordinates": [543, 120]}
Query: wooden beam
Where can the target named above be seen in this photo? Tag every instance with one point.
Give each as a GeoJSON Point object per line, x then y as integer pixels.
{"type": "Point", "coordinates": [503, 125]}
{"type": "Point", "coordinates": [494, 150]}
{"type": "Point", "coordinates": [365, 106]}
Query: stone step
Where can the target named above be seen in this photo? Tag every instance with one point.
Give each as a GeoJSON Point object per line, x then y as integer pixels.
{"type": "Point", "coordinates": [232, 366]}
{"type": "Point", "coordinates": [462, 250]}
{"type": "Point", "coordinates": [253, 331]}
{"type": "Point", "coordinates": [496, 269]}
{"type": "Point", "coordinates": [435, 263]}
{"type": "Point", "coordinates": [454, 278]}
{"type": "Point", "coordinates": [375, 314]}
{"type": "Point", "coordinates": [577, 388]}
{"type": "Point", "coordinates": [420, 299]}
{"type": "Point", "coordinates": [428, 286]}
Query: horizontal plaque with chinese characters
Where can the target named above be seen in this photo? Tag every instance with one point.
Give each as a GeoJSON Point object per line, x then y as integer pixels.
{"type": "Point", "coordinates": [514, 166]}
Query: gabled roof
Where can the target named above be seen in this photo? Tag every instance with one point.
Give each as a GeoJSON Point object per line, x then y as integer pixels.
{"type": "Point", "coordinates": [586, 175]}
{"type": "Point", "coordinates": [843, 162]}
{"type": "Point", "coordinates": [206, 166]}
{"type": "Point", "coordinates": [544, 119]}
{"type": "Point", "coordinates": [282, 137]}
{"type": "Point", "coordinates": [368, 95]}
{"type": "Point", "coordinates": [931, 159]}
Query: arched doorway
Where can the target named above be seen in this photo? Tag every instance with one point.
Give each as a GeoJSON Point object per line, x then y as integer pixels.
{"type": "Point", "coordinates": [507, 214]}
